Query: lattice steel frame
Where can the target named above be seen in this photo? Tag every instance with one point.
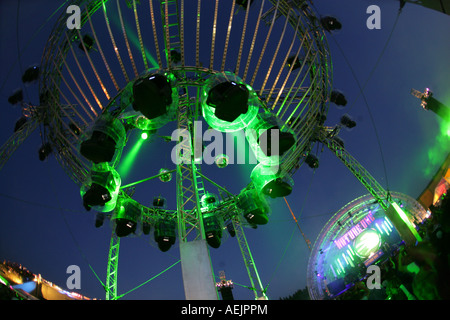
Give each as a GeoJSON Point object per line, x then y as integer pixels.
{"type": "Point", "coordinates": [300, 105]}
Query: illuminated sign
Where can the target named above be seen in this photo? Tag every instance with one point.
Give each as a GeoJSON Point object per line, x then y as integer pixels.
{"type": "Point", "coordinates": [354, 231]}
{"type": "Point", "coordinates": [367, 243]}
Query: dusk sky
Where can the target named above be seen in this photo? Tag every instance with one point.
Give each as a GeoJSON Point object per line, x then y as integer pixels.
{"type": "Point", "coordinates": [46, 228]}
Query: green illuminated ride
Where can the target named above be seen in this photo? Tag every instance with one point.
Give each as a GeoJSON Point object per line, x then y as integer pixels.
{"type": "Point", "coordinates": [261, 68]}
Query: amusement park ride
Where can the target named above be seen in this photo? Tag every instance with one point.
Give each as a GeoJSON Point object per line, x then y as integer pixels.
{"type": "Point", "coordinates": [277, 78]}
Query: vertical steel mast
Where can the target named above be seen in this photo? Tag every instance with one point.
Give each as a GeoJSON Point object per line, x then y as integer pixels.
{"type": "Point", "coordinates": [112, 271]}
{"type": "Point", "coordinates": [255, 281]}
{"type": "Point", "coordinates": [198, 276]}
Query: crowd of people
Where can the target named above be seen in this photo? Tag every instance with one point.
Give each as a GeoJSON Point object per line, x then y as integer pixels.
{"type": "Point", "coordinates": [420, 272]}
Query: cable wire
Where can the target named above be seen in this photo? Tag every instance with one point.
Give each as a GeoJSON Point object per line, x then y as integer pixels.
{"type": "Point", "coordinates": [29, 41]}
{"type": "Point", "coordinates": [152, 278]}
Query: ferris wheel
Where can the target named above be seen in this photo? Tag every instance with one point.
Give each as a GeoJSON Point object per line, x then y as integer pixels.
{"type": "Point", "coordinates": [137, 66]}
{"type": "Point", "coordinates": [260, 68]}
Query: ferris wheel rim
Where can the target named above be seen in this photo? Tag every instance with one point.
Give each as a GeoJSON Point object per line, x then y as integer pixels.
{"type": "Point", "coordinates": [60, 45]}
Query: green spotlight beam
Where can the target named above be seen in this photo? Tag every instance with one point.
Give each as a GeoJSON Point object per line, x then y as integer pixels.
{"type": "Point", "coordinates": [241, 154]}
{"type": "Point", "coordinates": [126, 164]}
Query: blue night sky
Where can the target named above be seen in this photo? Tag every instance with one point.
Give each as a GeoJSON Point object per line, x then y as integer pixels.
{"type": "Point", "coordinates": [45, 227]}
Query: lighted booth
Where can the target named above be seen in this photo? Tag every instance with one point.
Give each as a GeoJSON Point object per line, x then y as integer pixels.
{"type": "Point", "coordinates": [357, 236]}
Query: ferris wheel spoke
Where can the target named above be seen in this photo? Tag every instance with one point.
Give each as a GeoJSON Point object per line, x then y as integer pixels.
{"type": "Point", "coordinates": [252, 46]}
{"type": "Point", "coordinates": [73, 94]}
{"type": "Point", "coordinates": [85, 78]}
{"type": "Point", "coordinates": [292, 97]}
{"type": "Point", "coordinates": [274, 56]}
{"type": "Point", "coordinates": [105, 91]}
{"type": "Point", "coordinates": [282, 66]}
{"type": "Point", "coordinates": [244, 28]}
{"type": "Point", "coordinates": [125, 37]}
{"type": "Point", "coordinates": [213, 36]}
{"type": "Point", "coordinates": [138, 27]}
{"type": "Point", "coordinates": [101, 52]}
{"type": "Point", "coordinates": [281, 90]}
{"type": "Point", "coordinates": [113, 42]}
{"type": "Point", "coordinates": [265, 45]}
{"type": "Point", "coordinates": [227, 39]}
{"type": "Point", "coordinates": [78, 87]}
{"type": "Point", "coordinates": [68, 102]}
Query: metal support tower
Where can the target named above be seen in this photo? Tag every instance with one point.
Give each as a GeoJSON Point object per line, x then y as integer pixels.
{"type": "Point", "coordinates": [255, 281]}
{"type": "Point", "coordinates": [113, 259]}
{"type": "Point", "coordinates": [188, 202]}
{"type": "Point", "coordinates": [112, 271]}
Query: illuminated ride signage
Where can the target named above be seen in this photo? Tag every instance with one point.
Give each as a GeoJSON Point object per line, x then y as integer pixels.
{"type": "Point", "coordinates": [350, 235]}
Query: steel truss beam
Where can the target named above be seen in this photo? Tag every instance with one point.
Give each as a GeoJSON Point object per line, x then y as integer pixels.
{"type": "Point", "coordinates": [250, 265]}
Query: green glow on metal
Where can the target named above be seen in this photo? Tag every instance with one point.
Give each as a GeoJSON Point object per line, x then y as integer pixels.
{"type": "Point", "coordinates": [439, 148]}
{"type": "Point", "coordinates": [345, 258]}
{"type": "Point", "coordinates": [133, 39]}
{"type": "Point", "coordinates": [127, 163]}
{"type": "Point", "coordinates": [378, 227]}
{"type": "Point", "coordinates": [367, 243]}
{"type": "Point", "coordinates": [147, 179]}
{"type": "Point", "coordinates": [408, 223]}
